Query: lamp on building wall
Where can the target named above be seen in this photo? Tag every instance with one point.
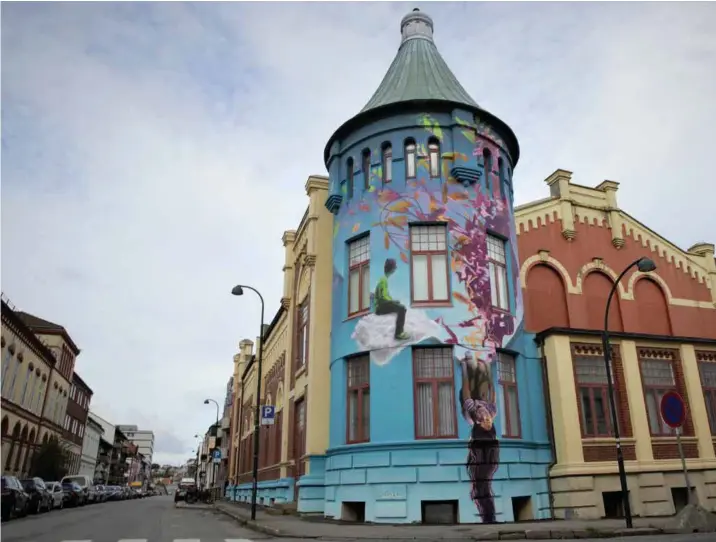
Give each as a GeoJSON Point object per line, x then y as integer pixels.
{"type": "Point", "coordinates": [644, 265]}
{"type": "Point", "coordinates": [239, 290]}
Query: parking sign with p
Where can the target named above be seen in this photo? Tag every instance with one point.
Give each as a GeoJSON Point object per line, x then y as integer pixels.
{"type": "Point", "coordinates": [268, 415]}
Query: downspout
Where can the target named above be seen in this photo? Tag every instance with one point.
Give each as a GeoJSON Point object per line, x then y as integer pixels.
{"type": "Point", "coordinates": [550, 426]}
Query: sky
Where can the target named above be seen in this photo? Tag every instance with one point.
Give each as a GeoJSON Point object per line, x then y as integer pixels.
{"type": "Point", "coordinates": [154, 153]}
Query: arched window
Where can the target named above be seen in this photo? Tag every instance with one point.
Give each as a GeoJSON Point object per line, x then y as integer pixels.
{"type": "Point", "coordinates": [365, 166]}
{"type": "Point", "coordinates": [502, 173]}
{"type": "Point", "coordinates": [434, 157]}
{"type": "Point", "coordinates": [29, 382]}
{"type": "Point", "coordinates": [349, 178]}
{"type": "Point", "coordinates": [487, 160]}
{"type": "Point", "coordinates": [409, 159]}
{"type": "Point", "coordinates": [387, 165]}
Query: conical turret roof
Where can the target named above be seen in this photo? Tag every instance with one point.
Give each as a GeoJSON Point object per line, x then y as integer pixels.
{"type": "Point", "coordinates": [418, 71]}
{"type": "Point", "coordinates": [419, 76]}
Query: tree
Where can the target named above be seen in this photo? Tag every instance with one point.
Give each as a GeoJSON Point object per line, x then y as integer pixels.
{"type": "Point", "coordinates": [50, 460]}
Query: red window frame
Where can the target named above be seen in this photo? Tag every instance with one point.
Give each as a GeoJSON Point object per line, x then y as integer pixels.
{"type": "Point", "coordinates": [359, 267]}
{"type": "Point", "coordinates": [508, 380]}
{"type": "Point", "coordinates": [365, 167]}
{"type": "Point", "coordinates": [500, 267]}
{"type": "Point", "coordinates": [435, 382]}
{"type": "Point", "coordinates": [656, 391]}
{"type": "Point", "coordinates": [411, 154]}
{"type": "Point", "coordinates": [360, 388]}
{"type": "Point", "coordinates": [434, 158]}
{"type": "Point", "coordinates": [387, 159]}
{"type": "Point", "coordinates": [429, 253]}
{"type": "Point", "coordinates": [303, 321]}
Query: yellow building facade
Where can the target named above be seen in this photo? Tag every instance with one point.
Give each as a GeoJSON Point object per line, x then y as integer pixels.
{"type": "Point", "coordinates": [34, 393]}
{"type": "Point", "coordinates": [295, 367]}
{"type": "Point", "coordinates": [662, 324]}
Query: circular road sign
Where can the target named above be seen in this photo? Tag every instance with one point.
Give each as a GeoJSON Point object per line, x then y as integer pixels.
{"type": "Point", "coordinates": [673, 409]}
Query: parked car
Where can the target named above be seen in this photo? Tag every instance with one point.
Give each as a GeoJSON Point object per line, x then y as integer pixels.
{"type": "Point", "coordinates": [58, 496]}
{"type": "Point", "coordinates": [101, 494]}
{"type": "Point", "coordinates": [14, 498]}
{"type": "Point", "coordinates": [87, 485]}
{"type": "Point", "coordinates": [74, 495]}
{"type": "Point", "coordinates": [115, 493]}
{"type": "Point", "coordinates": [40, 498]}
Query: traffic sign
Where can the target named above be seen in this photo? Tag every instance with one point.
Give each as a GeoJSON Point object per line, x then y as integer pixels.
{"type": "Point", "coordinates": [673, 409]}
{"type": "Point", "coordinates": [216, 455]}
{"type": "Point", "coordinates": [268, 415]}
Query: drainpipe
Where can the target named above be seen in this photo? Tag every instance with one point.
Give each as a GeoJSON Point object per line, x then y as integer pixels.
{"type": "Point", "coordinates": [550, 427]}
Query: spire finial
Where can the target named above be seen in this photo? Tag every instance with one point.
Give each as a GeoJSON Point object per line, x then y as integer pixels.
{"type": "Point", "coordinates": [416, 24]}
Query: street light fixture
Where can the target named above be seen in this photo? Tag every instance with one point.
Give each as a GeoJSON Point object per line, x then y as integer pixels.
{"type": "Point", "coordinates": [644, 265]}
{"type": "Point", "coordinates": [239, 290]}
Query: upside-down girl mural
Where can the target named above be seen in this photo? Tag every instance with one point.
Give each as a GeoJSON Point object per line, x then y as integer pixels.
{"type": "Point", "coordinates": [471, 318]}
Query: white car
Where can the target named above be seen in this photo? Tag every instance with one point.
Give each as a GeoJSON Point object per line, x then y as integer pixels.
{"type": "Point", "coordinates": [87, 485]}
{"type": "Point", "coordinates": [58, 496]}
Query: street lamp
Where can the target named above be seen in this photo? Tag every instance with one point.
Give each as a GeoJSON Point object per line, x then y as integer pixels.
{"type": "Point", "coordinates": [239, 290]}
{"type": "Point", "coordinates": [216, 439]}
{"type": "Point", "coordinates": [644, 265]}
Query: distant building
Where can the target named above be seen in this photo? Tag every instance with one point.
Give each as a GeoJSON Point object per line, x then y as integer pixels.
{"type": "Point", "coordinates": [76, 419]}
{"type": "Point", "coordinates": [144, 439]}
{"type": "Point", "coordinates": [90, 447]}
{"type": "Point", "coordinates": [104, 451]}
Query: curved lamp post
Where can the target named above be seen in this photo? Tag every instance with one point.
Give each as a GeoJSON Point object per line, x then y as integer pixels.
{"type": "Point", "coordinates": [216, 438]}
{"type": "Point", "coordinates": [644, 265]}
{"type": "Point", "coordinates": [239, 290]}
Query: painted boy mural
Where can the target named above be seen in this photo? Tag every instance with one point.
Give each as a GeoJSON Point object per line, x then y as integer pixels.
{"type": "Point", "coordinates": [384, 304]}
{"type": "Point", "coordinates": [478, 400]}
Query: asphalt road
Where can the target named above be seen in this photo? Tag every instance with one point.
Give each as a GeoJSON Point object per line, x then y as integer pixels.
{"type": "Point", "coordinates": [156, 519]}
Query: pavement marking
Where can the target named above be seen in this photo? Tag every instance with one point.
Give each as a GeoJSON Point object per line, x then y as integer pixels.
{"type": "Point", "coordinates": [76, 541]}
{"type": "Point", "coordinates": [187, 540]}
{"type": "Point", "coordinates": [131, 540]}
{"type": "Point", "coordinates": [237, 540]}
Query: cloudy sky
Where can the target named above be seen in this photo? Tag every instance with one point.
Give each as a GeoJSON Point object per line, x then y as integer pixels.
{"type": "Point", "coordinates": [153, 154]}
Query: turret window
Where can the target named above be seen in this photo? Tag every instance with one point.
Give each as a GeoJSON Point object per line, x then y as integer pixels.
{"type": "Point", "coordinates": [409, 159]}
{"type": "Point", "coordinates": [366, 168]}
{"type": "Point", "coordinates": [387, 164]}
{"type": "Point", "coordinates": [434, 157]}
{"type": "Point", "coordinates": [349, 178]}
{"type": "Point", "coordinates": [359, 276]}
{"type": "Point", "coordinates": [487, 160]}
{"type": "Point", "coordinates": [429, 262]}
{"type": "Point", "coordinates": [497, 265]}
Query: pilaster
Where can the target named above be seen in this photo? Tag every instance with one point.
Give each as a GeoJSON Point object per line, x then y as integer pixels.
{"type": "Point", "coordinates": [697, 406]}
{"type": "Point", "coordinates": [637, 405]}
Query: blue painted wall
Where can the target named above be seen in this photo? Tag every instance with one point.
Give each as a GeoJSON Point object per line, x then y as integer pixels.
{"type": "Point", "coordinates": [394, 472]}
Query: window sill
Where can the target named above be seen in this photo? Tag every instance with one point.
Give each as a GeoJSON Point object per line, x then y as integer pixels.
{"type": "Point", "coordinates": [511, 437]}
{"type": "Point", "coordinates": [607, 440]}
{"type": "Point", "coordinates": [431, 304]}
{"type": "Point", "coordinates": [443, 437]}
{"type": "Point", "coordinates": [356, 315]}
{"type": "Point", "coordinates": [299, 372]}
{"type": "Point", "coordinates": [351, 442]}
{"type": "Point", "coordinates": [501, 310]}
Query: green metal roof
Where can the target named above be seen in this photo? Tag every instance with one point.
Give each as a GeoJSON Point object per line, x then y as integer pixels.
{"type": "Point", "coordinates": [418, 77]}
{"type": "Point", "coordinates": [418, 72]}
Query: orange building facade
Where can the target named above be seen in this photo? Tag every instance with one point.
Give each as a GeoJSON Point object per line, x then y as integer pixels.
{"type": "Point", "coordinates": [572, 246]}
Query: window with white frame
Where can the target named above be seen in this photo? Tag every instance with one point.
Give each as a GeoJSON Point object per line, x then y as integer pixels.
{"type": "Point", "coordinates": [497, 264]}
{"type": "Point", "coordinates": [429, 263]}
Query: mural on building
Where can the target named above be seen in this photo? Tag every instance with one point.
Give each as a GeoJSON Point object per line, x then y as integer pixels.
{"type": "Point", "coordinates": [467, 320]}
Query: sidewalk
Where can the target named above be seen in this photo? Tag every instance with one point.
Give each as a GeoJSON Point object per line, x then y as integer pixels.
{"type": "Point", "coordinates": [289, 526]}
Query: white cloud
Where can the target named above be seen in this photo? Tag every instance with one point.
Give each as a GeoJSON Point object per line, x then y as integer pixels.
{"type": "Point", "coordinates": [153, 154]}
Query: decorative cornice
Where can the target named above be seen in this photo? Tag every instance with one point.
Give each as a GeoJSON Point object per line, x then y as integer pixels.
{"type": "Point", "coordinates": [467, 175]}
{"type": "Point", "coordinates": [309, 260]}
{"type": "Point", "coordinates": [569, 235]}
{"type": "Point", "coordinates": [333, 203]}
{"type": "Point", "coordinates": [286, 302]}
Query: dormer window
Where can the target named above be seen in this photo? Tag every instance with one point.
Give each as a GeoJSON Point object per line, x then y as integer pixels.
{"type": "Point", "coordinates": [365, 163]}
{"type": "Point", "coordinates": [387, 165]}
{"type": "Point", "coordinates": [410, 159]}
{"type": "Point", "coordinates": [434, 157]}
{"type": "Point", "coordinates": [349, 178]}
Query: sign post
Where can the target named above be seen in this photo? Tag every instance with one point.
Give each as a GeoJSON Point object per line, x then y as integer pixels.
{"type": "Point", "coordinates": [216, 455]}
{"type": "Point", "coordinates": [268, 415]}
{"type": "Point", "coordinates": [673, 412]}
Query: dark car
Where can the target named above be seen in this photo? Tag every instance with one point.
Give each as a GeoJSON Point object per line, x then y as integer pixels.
{"type": "Point", "coordinates": [74, 495]}
{"type": "Point", "coordinates": [40, 498]}
{"type": "Point", "coordinates": [14, 498]}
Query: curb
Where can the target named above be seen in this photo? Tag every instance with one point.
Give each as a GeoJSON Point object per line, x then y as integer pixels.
{"type": "Point", "coordinates": [528, 534]}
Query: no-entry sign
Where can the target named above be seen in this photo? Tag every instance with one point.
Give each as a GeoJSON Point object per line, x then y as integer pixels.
{"type": "Point", "coordinates": [673, 409]}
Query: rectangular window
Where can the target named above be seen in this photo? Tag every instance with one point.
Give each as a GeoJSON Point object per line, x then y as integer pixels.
{"type": "Point", "coordinates": [429, 263]}
{"type": "Point", "coordinates": [657, 377]}
{"type": "Point", "coordinates": [434, 393]}
{"type": "Point", "coordinates": [359, 276]}
{"type": "Point", "coordinates": [358, 383]}
{"type": "Point", "coordinates": [387, 164]}
{"type": "Point", "coordinates": [507, 377]}
{"type": "Point", "coordinates": [67, 422]}
{"type": "Point", "coordinates": [593, 395]}
{"type": "Point", "coordinates": [707, 370]}
{"type": "Point", "coordinates": [497, 264]}
{"type": "Point", "coordinates": [302, 334]}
